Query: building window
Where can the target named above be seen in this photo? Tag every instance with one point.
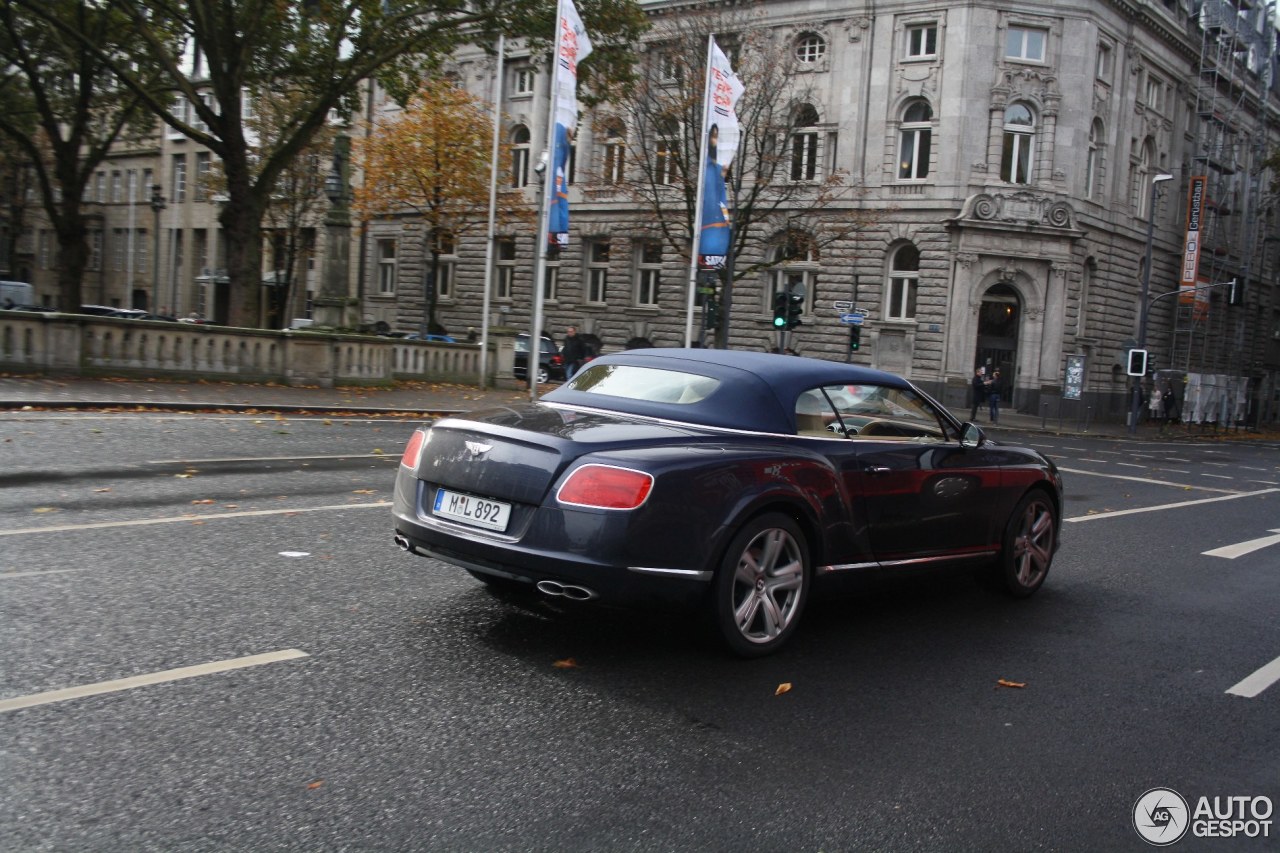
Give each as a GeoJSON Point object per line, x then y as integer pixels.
{"type": "Point", "coordinates": [525, 79]}
{"type": "Point", "coordinates": [794, 266]}
{"type": "Point", "coordinates": [1093, 161]}
{"type": "Point", "coordinates": [1026, 43]}
{"type": "Point", "coordinates": [1142, 183]}
{"type": "Point", "coordinates": [1019, 134]}
{"type": "Point", "coordinates": [648, 273]}
{"type": "Point", "coordinates": [804, 145]}
{"type": "Point", "coordinates": [1155, 93]}
{"type": "Point", "coordinates": [916, 137]}
{"type": "Point", "coordinates": [506, 269]}
{"type": "Point", "coordinates": [386, 267]}
{"type": "Point", "coordinates": [1106, 62]}
{"type": "Point", "coordinates": [520, 156]}
{"type": "Point", "coordinates": [598, 271]}
{"type": "Point", "coordinates": [551, 284]}
{"type": "Point", "coordinates": [904, 281]}
{"type": "Point", "coordinates": [119, 242]}
{"type": "Point", "coordinates": [664, 164]}
{"type": "Point", "coordinates": [670, 67]}
{"type": "Point", "coordinates": [445, 260]}
{"type": "Point", "coordinates": [95, 249]}
{"type": "Point", "coordinates": [100, 187]}
{"type": "Point", "coordinates": [203, 165]}
{"type": "Point", "coordinates": [810, 48]}
{"type": "Point", "coordinates": [117, 187]}
{"type": "Point", "coordinates": [922, 41]}
{"type": "Point", "coordinates": [615, 151]}
{"type": "Point", "coordinates": [178, 185]}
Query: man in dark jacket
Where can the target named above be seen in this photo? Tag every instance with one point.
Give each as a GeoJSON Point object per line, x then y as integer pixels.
{"type": "Point", "coordinates": [979, 392]}
{"type": "Point", "coordinates": [572, 352]}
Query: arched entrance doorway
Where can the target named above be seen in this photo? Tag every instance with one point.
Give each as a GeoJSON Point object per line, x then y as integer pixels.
{"type": "Point", "coordinates": [997, 347]}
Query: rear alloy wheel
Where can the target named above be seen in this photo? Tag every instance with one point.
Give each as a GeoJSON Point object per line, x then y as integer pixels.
{"type": "Point", "coordinates": [543, 376]}
{"type": "Point", "coordinates": [1028, 545]}
{"type": "Point", "coordinates": [762, 585]}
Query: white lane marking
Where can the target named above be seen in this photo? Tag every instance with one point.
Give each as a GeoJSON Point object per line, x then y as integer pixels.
{"type": "Point", "coordinates": [268, 459]}
{"type": "Point", "coordinates": [1239, 549]}
{"type": "Point", "coordinates": [1265, 482]}
{"type": "Point", "coordinates": [1147, 480]}
{"type": "Point", "coordinates": [1129, 465]}
{"type": "Point", "coordinates": [1217, 464]}
{"type": "Point", "coordinates": [5, 576]}
{"type": "Point", "coordinates": [1075, 449]}
{"type": "Point", "coordinates": [1258, 682]}
{"type": "Point", "coordinates": [1111, 452]}
{"type": "Point", "coordinates": [1163, 507]}
{"type": "Point", "coordinates": [1251, 468]}
{"type": "Point", "coordinates": [119, 684]}
{"type": "Point", "coordinates": [1218, 476]}
{"type": "Point", "coordinates": [100, 525]}
{"type": "Point", "coordinates": [1173, 470]}
{"type": "Point", "coordinates": [1176, 459]}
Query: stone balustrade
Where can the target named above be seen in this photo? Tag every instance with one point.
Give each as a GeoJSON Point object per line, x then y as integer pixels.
{"type": "Point", "coordinates": [75, 344]}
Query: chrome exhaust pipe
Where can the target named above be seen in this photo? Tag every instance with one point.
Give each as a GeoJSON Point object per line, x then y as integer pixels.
{"type": "Point", "coordinates": [404, 544]}
{"type": "Point", "coordinates": [570, 591]}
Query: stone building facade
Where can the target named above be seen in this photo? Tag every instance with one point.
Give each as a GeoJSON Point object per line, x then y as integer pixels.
{"type": "Point", "coordinates": [1016, 238]}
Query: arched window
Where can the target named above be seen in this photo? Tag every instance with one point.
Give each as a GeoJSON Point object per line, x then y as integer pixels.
{"type": "Point", "coordinates": [804, 144]}
{"type": "Point", "coordinates": [1019, 134]}
{"type": "Point", "coordinates": [795, 266]}
{"type": "Point", "coordinates": [1093, 160]}
{"type": "Point", "coordinates": [903, 284]}
{"type": "Point", "coordinates": [810, 48]}
{"type": "Point", "coordinates": [915, 138]}
{"type": "Point", "coordinates": [615, 152]}
{"type": "Point", "coordinates": [519, 156]}
{"type": "Point", "coordinates": [664, 159]}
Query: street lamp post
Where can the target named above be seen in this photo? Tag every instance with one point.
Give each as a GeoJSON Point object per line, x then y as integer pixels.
{"type": "Point", "coordinates": [157, 205]}
{"type": "Point", "coordinates": [1136, 404]}
{"type": "Point", "coordinates": [331, 304]}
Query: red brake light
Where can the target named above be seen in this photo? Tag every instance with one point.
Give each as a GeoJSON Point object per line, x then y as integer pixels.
{"type": "Point", "coordinates": [606, 487]}
{"type": "Point", "coordinates": [413, 449]}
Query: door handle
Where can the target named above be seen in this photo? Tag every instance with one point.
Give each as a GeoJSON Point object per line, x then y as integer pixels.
{"type": "Point", "coordinates": [877, 469]}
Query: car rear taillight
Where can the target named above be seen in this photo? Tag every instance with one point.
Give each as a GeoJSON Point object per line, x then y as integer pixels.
{"type": "Point", "coordinates": [555, 359]}
{"type": "Point", "coordinates": [413, 449]}
{"type": "Point", "coordinates": [606, 487]}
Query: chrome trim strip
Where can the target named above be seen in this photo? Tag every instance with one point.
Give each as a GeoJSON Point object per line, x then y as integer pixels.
{"type": "Point", "coordinates": [942, 558]}
{"type": "Point", "coordinates": [688, 574]}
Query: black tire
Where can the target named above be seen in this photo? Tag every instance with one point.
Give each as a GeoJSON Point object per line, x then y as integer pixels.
{"type": "Point", "coordinates": [1026, 552]}
{"type": "Point", "coordinates": [762, 585]}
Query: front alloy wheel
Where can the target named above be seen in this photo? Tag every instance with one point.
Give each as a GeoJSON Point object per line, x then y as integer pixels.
{"type": "Point", "coordinates": [762, 585]}
{"type": "Point", "coordinates": [1029, 542]}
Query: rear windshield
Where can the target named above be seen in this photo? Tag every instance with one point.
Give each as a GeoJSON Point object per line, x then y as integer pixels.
{"type": "Point", "coordinates": [644, 383]}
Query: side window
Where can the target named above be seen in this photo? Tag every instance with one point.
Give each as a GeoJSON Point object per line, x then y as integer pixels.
{"type": "Point", "coordinates": [871, 412]}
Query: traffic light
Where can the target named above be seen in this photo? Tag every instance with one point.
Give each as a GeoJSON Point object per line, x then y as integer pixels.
{"type": "Point", "coordinates": [1235, 293]}
{"type": "Point", "coordinates": [855, 338]}
{"type": "Point", "coordinates": [795, 304]}
{"type": "Point", "coordinates": [1137, 362]}
{"type": "Point", "coordinates": [711, 314]}
{"type": "Point", "coordinates": [781, 305]}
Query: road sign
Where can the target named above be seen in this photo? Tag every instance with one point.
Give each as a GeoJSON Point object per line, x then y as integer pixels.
{"type": "Point", "coordinates": [844, 305]}
{"type": "Point", "coordinates": [853, 319]}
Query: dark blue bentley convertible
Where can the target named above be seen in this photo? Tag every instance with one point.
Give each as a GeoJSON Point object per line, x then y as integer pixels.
{"type": "Point", "coordinates": [726, 480]}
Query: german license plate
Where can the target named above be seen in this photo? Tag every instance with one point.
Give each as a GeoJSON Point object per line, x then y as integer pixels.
{"type": "Point", "coordinates": [468, 509]}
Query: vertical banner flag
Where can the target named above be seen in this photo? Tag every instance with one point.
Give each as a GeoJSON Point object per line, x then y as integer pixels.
{"type": "Point", "coordinates": [721, 121]}
{"type": "Point", "coordinates": [1191, 247]}
{"type": "Point", "coordinates": [572, 46]}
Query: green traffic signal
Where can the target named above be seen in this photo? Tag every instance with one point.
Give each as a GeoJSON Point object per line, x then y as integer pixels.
{"type": "Point", "coordinates": [855, 338]}
{"type": "Point", "coordinates": [781, 305]}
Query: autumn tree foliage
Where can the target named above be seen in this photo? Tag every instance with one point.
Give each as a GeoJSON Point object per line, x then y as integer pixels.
{"type": "Point", "coordinates": [432, 161]}
{"type": "Point", "coordinates": [783, 207]}
{"type": "Point", "coordinates": [217, 57]}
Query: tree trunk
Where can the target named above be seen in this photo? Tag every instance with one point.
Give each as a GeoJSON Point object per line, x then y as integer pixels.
{"type": "Point", "coordinates": [73, 256]}
{"type": "Point", "coordinates": [241, 224]}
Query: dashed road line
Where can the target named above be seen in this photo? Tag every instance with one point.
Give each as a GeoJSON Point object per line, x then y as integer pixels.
{"type": "Point", "coordinates": [142, 522]}
{"type": "Point", "coordinates": [116, 685]}
{"type": "Point", "coordinates": [1239, 549]}
{"type": "Point", "coordinates": [1147, 480]}
{"type": "Point", "coordinates": [7, 575]}
{"type": "Point", "coordinates": [1162, 507]}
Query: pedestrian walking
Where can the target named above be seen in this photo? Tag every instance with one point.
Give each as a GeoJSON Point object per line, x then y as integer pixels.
{"type": "Point", "coordinates": [979, 392]}
{"type": "Point", "coordinates": [572, 352]}
{"type": "Point", "coordinates": [1155, 404]}
{"type": "Point", "coordinates": [993, 396]}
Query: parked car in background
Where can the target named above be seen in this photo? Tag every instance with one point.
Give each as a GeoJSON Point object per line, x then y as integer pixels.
{"type": "Point", "coordinates": [14, 294]}
{"type": "Point", "coordinates": [550, 364]}
{"type": "Point", "coordinates": [438, 339]}
{"type": "Point", "coordinates": [731, 481]}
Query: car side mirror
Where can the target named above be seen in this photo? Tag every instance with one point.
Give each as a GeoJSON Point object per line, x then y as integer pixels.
{"type": "Point", "coordinates": [971, 435]}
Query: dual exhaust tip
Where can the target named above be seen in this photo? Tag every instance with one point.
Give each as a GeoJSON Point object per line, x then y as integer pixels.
{"type": "Point", "coordinates": [573, 592]}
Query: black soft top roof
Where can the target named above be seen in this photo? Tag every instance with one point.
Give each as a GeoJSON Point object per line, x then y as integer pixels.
{"type": "Point", "coordinates": [757, 390]}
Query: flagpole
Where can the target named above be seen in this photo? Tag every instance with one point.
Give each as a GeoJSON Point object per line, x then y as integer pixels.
{"type": "Point", "coordinates": [544, 215]}
{"type": "Point", "coordinates": [493, 214]}
{"type": "Point", "coordinates": [697, 206]}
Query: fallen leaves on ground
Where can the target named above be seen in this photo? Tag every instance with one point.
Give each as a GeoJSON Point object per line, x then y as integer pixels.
{"type": "Point", "coordinates": [784, 687]}
{"type": "Point", "coordinates": [567, 663]}
{"type": "Point", "coordinates": [365, 492]}
{"type": "Point", "coordinates": [316, 784]}
{"type": "Point", "coordinates": [43, 509]}
{"type": "Point", "coordinates": [204, 501]}
{"type": "Point", "coordinates": [1004, 682]}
